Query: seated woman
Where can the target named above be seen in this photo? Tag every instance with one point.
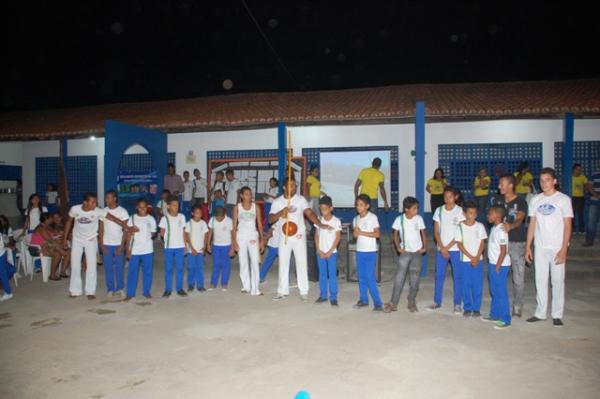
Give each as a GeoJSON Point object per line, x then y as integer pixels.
{"type": "Point", "coordinates": [57, 227]}
{"type": "Point", "coordinates": [44, 237]}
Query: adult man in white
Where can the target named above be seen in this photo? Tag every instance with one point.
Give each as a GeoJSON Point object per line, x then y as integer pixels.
{"type": "Point", "coordinates": [84, 220]}
{"type": "Point", "coordinates": [551, 215]}
{"type": "Point", "coordinates": [295, 212]}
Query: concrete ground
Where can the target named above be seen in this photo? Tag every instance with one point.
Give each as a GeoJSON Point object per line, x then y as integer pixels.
{"type": "Point", "coordinates": [230, 345]}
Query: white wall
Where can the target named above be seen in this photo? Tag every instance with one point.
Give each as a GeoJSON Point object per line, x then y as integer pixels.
{"type": "Point", "coordinates": [11, 153]}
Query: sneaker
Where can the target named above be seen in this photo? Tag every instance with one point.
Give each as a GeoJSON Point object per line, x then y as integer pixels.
{"type": "Point", "coordinates": [148, 296]}
{"type": "Point", "coordinates": [321, 300]}
{"type": "Point", "coordinates": [262, 281]}
{"type": "Point", "coordinates": [534, 319]}
{"type": "Point", "coordinates": [360, 304]}
{"type": "Point", "coordinates": [182, 293]}
{"type": "Point", "coordinates": [121, 293]}
{"type": "Point", "coordinates": [334, 302]}
{"type": "Point", "coordinates": [412, 307]}
{"type": "Point", "coordinates": [467, 313]}
{"type": "Point", "coordinates": [500, 325]}
{"type": "Point", "coordinates": [166, 294]}
{"type": "Point", "coordinates": [5, 297]}
{"type": "Point", "coordinates": [378, 308]}
{"type": "Point", "coordinates": [223, 288]}
{"type": "Point", "coordinates": [557, 322]}
{"type": "Point", "coordinates": [279, 297]}
{"type": "Point", "coordinates": [190, 289]}
{"type": "Point", "coordinates": [475, 314]}
{"type": "Point", "coordinates": [201, 289]}
{"type": "Point", "coordinates": [110, 295]}
{"type": "Point", "coordinates": [488, 319]}
{"type": "Point", "coordinates": [91, 297]}
{"type": "Point", "coordinates": [434, 306]}
{"type": "Point", "coordinates": [304, 298]}
{"type": "Point", "coordinates": [212, 287]}
{"type": "Point", "coordinates": [458, 309]}
{"type": "Point", "coordinates": [390, 307]}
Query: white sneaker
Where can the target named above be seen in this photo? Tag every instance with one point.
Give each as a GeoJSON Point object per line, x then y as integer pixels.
{"type": "Point", "coordinates": [458, 309]}
{"type": "Point", "coordinates": [304, 298]}
{"type": "Point", "coordinates": [5, 297]}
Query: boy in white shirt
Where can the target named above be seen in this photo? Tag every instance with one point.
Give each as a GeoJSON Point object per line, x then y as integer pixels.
{"type": "Point", "coordinates": [188, 188]}
{"type": "Point", "coordinates": [112, 241]}
{"type": "Point", "coordinates": [161, 205]}
{"type": "Point", "coordinates": [326, 243]}
{"type": "Point", "coordinates": [141, 250]}
{"type": "Point", "coordinates": [232, 188]}
{"type": "Point", "coordinates": [218, 242]}
{"type": "Point", "coordinates": [470, 238]}
{"type": "Point", "coordinates": [498, 269]}
{"type": "Point", "coordinates": [196, 231]}
{"type": "Point", "coordinates": [410, 241]}
{"type": "Point", "coordinates": [550, 223]}
{"type": "Point", "coordinates": [172, 226]}
{"type": "Point", "coordinates": [199, 195]}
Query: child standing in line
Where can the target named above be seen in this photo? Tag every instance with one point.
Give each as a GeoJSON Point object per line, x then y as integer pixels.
{"type": "Point", "coordinates": [446, 219]}
{"type": "Point", "coordinates": [196, 231]}
{"type": "Point", "coordinates": [272, 252]}
{"type": "Point", "coordinates": [112, 241]}
{"type": "Point", "coordinates": [52, 198]}
{"type": "Point", "coordinates": [172, 226]}
{"type": "Point", "coordinates": [470, 238]}
{"type": "Point", "coordinates": [499, 266]}
{"type": "Point", "coordinates": [366, 232]}
{"type": "Point", "coordinates": [326, 243]}
{"type": "Point", "coordinates": [218, 201]}
{"type": "Point", "coordinates": [140, 250]}
{"type": "Point", "coordinates": [410, 241]}
{"type": "Point", "coordinates": [220, 227]}
{"type": "Point", "coordinates": [161, 205]}
{"type": "Point", "coordinates": [188, 188]}
{"type": "Point", "coordinates": [247, 240]}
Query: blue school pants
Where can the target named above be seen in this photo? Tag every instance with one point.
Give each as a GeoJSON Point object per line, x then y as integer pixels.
{"type": "Point", "coordinates": [365, 263]}
{"type": "Point", "coordinates": [500, 308]}
{"type": "Point", "coordinates": [195, 270]}
{"type": "Point", "coordinates": [113, 268]}
{"type": "Point", "coordinates": [186, 209]}
{"type": "Point", "coordinates": [52, 208]}
{"type": "Point", "coordinates": [173, 256]}
{"type": "Point", "coordinates": [472, 285]}
{"type": "Point", "coordinates": [4, 274]}
{"type": "Point", "coordinates": [328, 276]}
{"type": "Point", "coordinates": [146, 262]}
{"type": "Point", "coordinates": [272, 254]}
{"type": "Point", "coordinates": [441, 265]}
{"type": "Point", "coordinates": [221, 265]}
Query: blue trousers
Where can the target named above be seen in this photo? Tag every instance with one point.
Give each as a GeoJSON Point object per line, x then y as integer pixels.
{"type": "Point", "coordinates": [440, 276]}
{"type": "Point", "coordinates": [173, 256]}
{"type": "Point", "coordinates": [4, 274]}
{"type": "Point", "coordinates": [221, 265]}
{"type": "Point", "coordinates": [272, 254]}
{"type": "Point", "coordinates": [146, 261]}
{"type": "Point", "coordinates": [472, 285]}
{"type": "Point", "coordinates": [500, 309]}
{"type": "Point", "coordinates": [113, 268]}
{"type": "Point", "coordinates": [365, 263]}
{"type": "Point", "coordinates": [195, 270]}
{"type": "Point", "coordinates": [52, 208]}
{"type": "Point", "coordinates": [328, 276]}
{"type": "Point", "coordinates": [186, 209]}
{"type": "Point", "coordinates": [592, 223]}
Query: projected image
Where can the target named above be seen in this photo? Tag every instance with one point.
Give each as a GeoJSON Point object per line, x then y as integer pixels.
{"type": "Point", "coordinates": [339, 171]}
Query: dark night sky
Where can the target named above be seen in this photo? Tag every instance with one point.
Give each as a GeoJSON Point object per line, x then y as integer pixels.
{"type": "Point", "coordinates": [63, 54]}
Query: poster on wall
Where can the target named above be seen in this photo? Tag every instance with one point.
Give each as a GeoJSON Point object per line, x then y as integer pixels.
{"type": "Point", "coordinates": [137, 184]}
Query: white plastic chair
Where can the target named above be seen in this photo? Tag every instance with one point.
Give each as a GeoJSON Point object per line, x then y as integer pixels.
{"type": "Point", "coordinates": [45, 260]}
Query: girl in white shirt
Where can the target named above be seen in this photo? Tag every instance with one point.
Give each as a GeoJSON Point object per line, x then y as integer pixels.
{"type": "Point", "coordinates": [141, 250]}
{"type": "Point", "coordinates": [172, 226]}
{"type": "Point", "coordinates": [220, 227]}
{"type": "Point", "coordinates": [33, 213]}
{"type": "Point", "coordinates": [196, 231]}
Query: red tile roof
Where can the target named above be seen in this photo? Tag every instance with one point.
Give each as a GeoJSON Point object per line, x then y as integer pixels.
{"type": "Point", "coordinates": [536, 99]}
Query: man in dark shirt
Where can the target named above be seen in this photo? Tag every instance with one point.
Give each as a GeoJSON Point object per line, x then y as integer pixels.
{"type": "Point", "coordinates": [593, 187]}
{"type": "Point", "coordinates": [514, 225]}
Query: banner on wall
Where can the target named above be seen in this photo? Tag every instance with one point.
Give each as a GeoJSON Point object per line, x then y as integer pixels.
{"type": "Point", "coordinates": [137, 184]}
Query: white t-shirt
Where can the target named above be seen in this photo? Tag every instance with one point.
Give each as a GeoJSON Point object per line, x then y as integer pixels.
{"type": "Point", "coordinates": [550, 212]}
{"type": "Point", "coordinates": [200, 186]}
{"type": "Point", "coordinates": [173, 230]}
{"type": "Point", "coordinates": [327, 237]}
{"type": "Point", "coordinates": [272, 191]}
{"type": "Point", "coordinates": [197, 232]}
{"type": "Point", "coordinates": [232, 188]}
{"type": "Point", "coordinates": [448, 222]}
{"type": "Point", "coordinates": [85, 227]}
{"type": "Point", "coordinates": [298, 205]}
{"type": "Point", "coordinates": [2, 248]}
{"type": "Point", "coordinates": [498, 237]}
{"type": "Point", "coordinates": [51, 197]}
{"type": "Point", "coordinates": [274, 239]}
{"type": "Point", "coordinates": [188, 186]}
{"type": "Point", "coordinates": [142, 240]}
{"type": "Point", "coordinates": [367, 224]}
{"type": "Point", "coordinates": [246, 221]}
{"type": "Point", "coordinates": [221, 230]}
{"type": "Point", "coordinates": [162, 205]}
{"type": "Point", "coordinates": [113, 233]}
{"type": "Point", "coordinates": [410, 232]}
{"type": "Point", "coordinates": [470, 237]}
{"type": "Point", "coordinates": [6, 237]}
{"type": "Point", "coordinates": [34, 218]}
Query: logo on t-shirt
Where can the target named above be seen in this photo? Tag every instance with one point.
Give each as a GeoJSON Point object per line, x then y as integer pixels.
{"type": "Point", "coordinates": [546, 209]}
{"type": "Point", "coordinates": [84, 220]}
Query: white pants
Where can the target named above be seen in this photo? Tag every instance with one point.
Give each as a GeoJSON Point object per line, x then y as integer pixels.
{"type": "Point", "coordinates": [77, 250]}
{"type": "Point", "coordinates": [296, 244]}
{"type": "Point", "coordinates": [249, 271]}
{"type": "Point", "coordinates": [544, 265]}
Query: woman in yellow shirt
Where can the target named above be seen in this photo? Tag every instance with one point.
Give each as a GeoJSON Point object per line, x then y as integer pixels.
{"type": "Point", "coordinates": [481, 191]}
{"type": "Point", "coordinates": [579, 181]}
{"type": "Point", "coordinates": [313, 186]}
{"type": "Point", "coordinates": [435, 187]}
{"type": "Point", "coordinates": [524, 180]}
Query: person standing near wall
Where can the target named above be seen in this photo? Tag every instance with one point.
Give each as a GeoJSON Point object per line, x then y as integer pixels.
{"type": "Point", "coordinates": [593, 187]}
{"type": "Point", "coordinates": [172, 181]}
{"type": "Point", "coordinates": [524, 180]}
{"type": "Point", "coordinates": [580, 181]}
{"type": "Point", "coordinates": [199, 195]}
{"type": "Point", "coordinates": [188, 188]}
{"type": "Point", "coordinates": [435, 187]}
{"type": "Point", "coordinates": [112, 241]}
{"type": "Point", "coordinates": [232, 188]}
{"type": "Point", "coordinates": [314, 189]}
{"type": "Point", "coordinates": [369, 182]}
{"type": "Point", "coordinates": [481, 191]}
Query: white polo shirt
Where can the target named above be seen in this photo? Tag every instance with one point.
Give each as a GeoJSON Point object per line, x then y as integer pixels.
{"type": "Point", "coordinates": [550, 212]}
{"type": "Point", "coordinates": [113, 233]}
{"type": "Point", "coordinates": [470, 237]}
{"type": "Point", "coordinates": [409, 231]}
{"type": "Point", "coordinates": [142, 240]}
{"type": "Point", "coordinates": [326, 236]}
{"type": "Point", "coordinates": [448, 222]}
{"type": "Point", "coordinates": [85, 227]}
{"type": "Point", "coordinates": [367, 224]}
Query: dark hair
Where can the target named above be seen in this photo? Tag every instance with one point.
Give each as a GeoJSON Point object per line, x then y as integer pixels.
{"type": "Point", "coordinates": [376, 162]}
{"type": "Point", "coordinates": [186, 171]}
{"type": "Point", "coordinates": [459, 197]}
{"type": "Point", "coordinates": [364, 198]}
{"type": "Point", "coordinates": [325, 200]}
{"type": "Point", "coordinates": [576, 165]}
{"type": "Point", "coordinates": [441, 170]}
{"type": "Point", "coordinates": [197, 207]}
{"type": "Point", "coordinates": [229, 171]}
{"type": "Point", "coordinates": [44, 216]}
{"type": "Point", "coordinates": [314, 167]}
{"type": "Point", "coordinates": [113, 193]}
{"type": "Point", "coordinates": [196, 170]}
{"type": "Point", "coordinates": [510, 177]}
{"type": "Point", "coordinates": [219, 173]}
{"type": "Point", "coordinates": [30, 205]}
{"type": "Point", "coordinates": [172, 198]}
{"type": "Point", "coordinates": [522, 166]}
{"type": "Point", "coordinates": [170, 165]}
{"type": "Point", "coordinates": [52, 186]}
{"type": "Point", "coordinates": [142, 199]}
{"type": "Point", "coordinates": [4, 224]}
{"type": "Point", "coordinates": [244, 189]}
{"type": "Point", "coordinates": [499, 210]}
{"type": "Point", "coordinates": [89, 195]}
{"type": "Point", "coordinates": [552, 173]}
{"type": "Point", "coordinates": [165, 191]}
{"type": "Point", "coordinates": [469, 205]}
{"type": "Point", "coordinates": [275, 180]}
{"type": "Point", "coordinates": [286, 180]}
{"type": "Point", "coordinates": [409, 202]}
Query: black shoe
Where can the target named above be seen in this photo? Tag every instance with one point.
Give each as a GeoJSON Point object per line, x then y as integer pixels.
{"type": "Point", "coordinates": [534, 319]}
{"type": "Point", "coordinates": [334, 302]}
{"type": "Point", "coordinates": [321, 300]}
{"type": "Point", "coordinates": [476, 314]}
{"type": "Point", "coordinates": [557, 322]}
{"type": "Point", "coordinates": [202, 289]}
{"type": "Point", "coordinates": [166, 294]}
{"type": "Point", "coordinates": [378, 308]}
{"type": "Point", "coordinates": [190, 289]}
{"type": "Point", "coordinates": [360, 304]}
{"type": "Point", "coordinates": [467, 313]}
{"type": "Point", "coordinates": [181, 293]}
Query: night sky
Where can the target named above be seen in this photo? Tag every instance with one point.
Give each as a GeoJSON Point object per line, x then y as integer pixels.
{"type": "Point", "coordinates": [64, 54]}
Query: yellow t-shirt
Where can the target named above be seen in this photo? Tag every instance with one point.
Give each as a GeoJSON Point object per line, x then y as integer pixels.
{"type": "Point", "coordinates": [479, 192]}
{"type": "Point", "coordinates": [579, 185]}
{"type": "Point", "coordinates": [524, 186]}
{"type": "Point", "coordinates": [370, 178]}
{"type": "Point", "coordinates": [315, 186]}
{"type": "Point", "coordinates": [436, 186]}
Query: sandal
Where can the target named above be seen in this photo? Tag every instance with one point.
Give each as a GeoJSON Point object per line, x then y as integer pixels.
{"type": "Point", "coordinates": [63, 275]}
{"type": "Point", "coordinates": [389, 308]}
{"type": "Point", "coordinates": [54, 278]}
